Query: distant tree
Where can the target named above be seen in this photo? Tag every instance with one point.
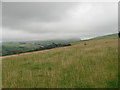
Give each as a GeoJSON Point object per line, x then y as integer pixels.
{"type": "Point", "coordinates": [22, 47]}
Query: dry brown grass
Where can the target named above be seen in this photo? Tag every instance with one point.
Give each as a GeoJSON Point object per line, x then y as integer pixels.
{"type": "Point", "coordinates": [94, 65]}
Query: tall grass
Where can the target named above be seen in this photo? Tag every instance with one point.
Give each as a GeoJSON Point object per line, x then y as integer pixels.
{"type": "Point", "coordinates": [94, 65]}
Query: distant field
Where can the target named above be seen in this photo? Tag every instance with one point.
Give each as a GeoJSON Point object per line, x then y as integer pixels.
{"type": "Point", "coordinates": [85, 64]}
{"type": "Point", "coordinates": [11, 48]}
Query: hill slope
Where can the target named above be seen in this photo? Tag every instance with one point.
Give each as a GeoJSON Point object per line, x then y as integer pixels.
{"type": "Point", "coordinates": [111, 36]}
{"type": "Point", "coordinates": [86, 64]}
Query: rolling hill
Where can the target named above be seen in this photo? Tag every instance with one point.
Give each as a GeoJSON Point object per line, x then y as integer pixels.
{"type": "Point", "coordinates": [111, 36]}
{"type": "Point", "coordinates": [85, 64]}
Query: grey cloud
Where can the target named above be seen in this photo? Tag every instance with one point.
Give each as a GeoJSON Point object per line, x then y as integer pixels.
{"type": "Point", "coordinates": [60, 20]}
{"type": "Point", "coordinates": [24, 12]}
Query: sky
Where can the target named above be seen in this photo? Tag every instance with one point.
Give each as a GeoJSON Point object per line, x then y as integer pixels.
{"type": "Point", "coordinates": [28, 21]}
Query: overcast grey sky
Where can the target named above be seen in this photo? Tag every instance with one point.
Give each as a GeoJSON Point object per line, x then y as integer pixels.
{"type": "Point", "coordinates": [60, 20]}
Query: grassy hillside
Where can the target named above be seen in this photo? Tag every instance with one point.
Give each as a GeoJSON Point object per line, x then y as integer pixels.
{"type": "Point", "coordinates": [85, 64]}
{"type": "Point", "coordinates": [111, 36]}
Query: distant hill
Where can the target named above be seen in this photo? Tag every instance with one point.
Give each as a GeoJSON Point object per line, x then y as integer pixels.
{"type": "Point", "coordinates": [111, 36]}
{"type": "Point", "coordinates": [9, 48]}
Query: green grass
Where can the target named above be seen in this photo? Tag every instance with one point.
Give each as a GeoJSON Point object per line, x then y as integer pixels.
{"type": "Point", "coordinates": [94, 65]}
{"type": "Point", "coordinates": [111, 36]}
